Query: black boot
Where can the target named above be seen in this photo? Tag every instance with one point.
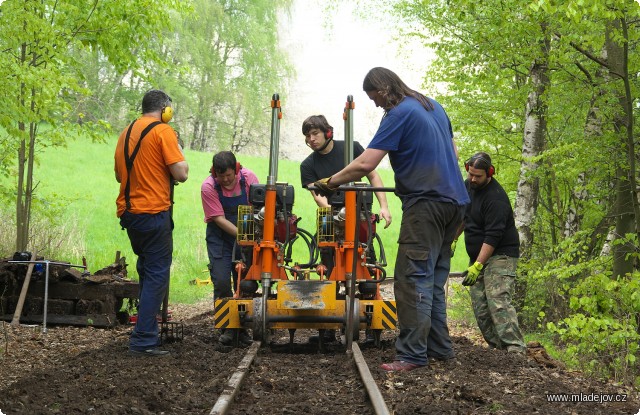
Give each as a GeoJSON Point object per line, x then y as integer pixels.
{"type": "Point", "coordinates": [329, 336]}
{"type": "Point", "coordinates": [226, 338]}
{"type": "Point", "coordinates": [369, 337]}
{"type": "Point", "coordinates": [245, 339]}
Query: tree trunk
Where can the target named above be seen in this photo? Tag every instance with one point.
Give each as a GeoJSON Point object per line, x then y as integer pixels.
{"type": "Point", "coordinates": [574, 215]}
{"type": "Point", "coordinates": [626, 204]}
{"type": "Point", "coordinates": [22, 194]}
{"type": "Point", "coordinates": [22, 223]}
{"type": "Point", "coordinates": [26, 156]}
{"type": "Point", "coordinates": [533, 142]}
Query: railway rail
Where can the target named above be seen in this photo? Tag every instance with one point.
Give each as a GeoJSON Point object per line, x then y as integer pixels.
{"type": "Point", "coordinates": [266, 373]}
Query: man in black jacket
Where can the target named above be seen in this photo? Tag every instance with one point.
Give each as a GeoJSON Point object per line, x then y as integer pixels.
{"type": "Point", "coordinates": [492, 243]}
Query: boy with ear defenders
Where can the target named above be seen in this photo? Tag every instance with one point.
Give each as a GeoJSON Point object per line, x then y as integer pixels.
{"type": "Point", "coordinates": [492, 242]}
{"type": "Point", "coordinates": [327, 159]}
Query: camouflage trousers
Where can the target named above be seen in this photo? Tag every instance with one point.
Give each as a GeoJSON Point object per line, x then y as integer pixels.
{"type": "Point", "coordinates": [491, 299]}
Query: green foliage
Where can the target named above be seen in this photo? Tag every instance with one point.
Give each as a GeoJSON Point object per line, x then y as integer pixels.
{"type": "Point", "coordinates": [218, 60]}
{"type": "Point", "coordinates": [36, 40]}
{"type": "Point", "coordinates": [484, 52]}
{"type": "Point", "coordinates": [603, 324]}
{"type": "Point", "coordinates": [594, 317]}
{"type": "Point", "coordinates": [224, 61]}
{"type": "Point", "coordinates": [35, 61]}
{"type": "Point", "coordinates": [459, 304]}
{"type": "Point", "coordinates": [76, 68]}
{"type": "Point", "coordinates": [484, 55]}
{"type": "Point", "coordinates": [548, 281]}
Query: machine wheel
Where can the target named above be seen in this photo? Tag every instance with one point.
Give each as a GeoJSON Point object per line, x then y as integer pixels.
{"type": "Point", "coordinates": [258, 322]}
{"type": "Point", "coordinates": [355, 330]}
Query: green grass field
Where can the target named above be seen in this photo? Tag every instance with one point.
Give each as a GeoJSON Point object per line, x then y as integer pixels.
{"type": "Point", "coordinates": [77, 188]}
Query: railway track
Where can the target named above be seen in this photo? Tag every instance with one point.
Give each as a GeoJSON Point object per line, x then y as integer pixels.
{"type": "Point", "coordinates": [280, 371]}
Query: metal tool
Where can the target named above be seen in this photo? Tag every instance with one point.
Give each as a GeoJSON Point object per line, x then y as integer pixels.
{"type": "Point", "coordinates": [46, 285]}
{"type": "Point", "coordinates": [275, 295]}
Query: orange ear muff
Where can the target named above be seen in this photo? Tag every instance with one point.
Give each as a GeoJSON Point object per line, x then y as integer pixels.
{"type": "Point", "coordinates": [329, 133]}
{"type": "Point", "coordinates": [238, 167]}
{"type": "Point", "coordinates": [490, 172]}
{"type": "Point", "coordinates": [167, 114]}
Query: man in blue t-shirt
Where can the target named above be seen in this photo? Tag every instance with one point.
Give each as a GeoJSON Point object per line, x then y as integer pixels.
{"type": "Point", "coordinates": [416, 133]}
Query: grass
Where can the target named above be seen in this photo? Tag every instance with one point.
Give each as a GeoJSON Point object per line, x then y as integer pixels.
{"type": "Point", "coordinates": [76, 199]}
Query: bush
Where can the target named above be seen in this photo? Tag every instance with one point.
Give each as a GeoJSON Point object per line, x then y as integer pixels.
{"type": "Point", "coordinates": [602, 335]}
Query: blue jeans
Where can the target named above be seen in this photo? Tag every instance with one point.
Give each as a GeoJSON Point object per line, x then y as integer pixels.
{"type": "Point", "coordinates": [152, 241]}
{"type": "Point", "coordinates": [421, 272]}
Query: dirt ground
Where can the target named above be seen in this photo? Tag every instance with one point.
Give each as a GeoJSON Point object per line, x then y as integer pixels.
{"type": "Point", "coordinates": [87, 370]}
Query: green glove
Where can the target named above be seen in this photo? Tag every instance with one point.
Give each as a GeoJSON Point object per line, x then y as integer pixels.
{"type": "Point", "coordinates": [472, 273]}
{"type": "Point", "coordinates": [324, 188]}
{"type": "Point", "coordinates": [453, 247]}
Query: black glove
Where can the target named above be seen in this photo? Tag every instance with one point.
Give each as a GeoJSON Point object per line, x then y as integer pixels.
{"type": "Point", "coordinates": [324, 188]}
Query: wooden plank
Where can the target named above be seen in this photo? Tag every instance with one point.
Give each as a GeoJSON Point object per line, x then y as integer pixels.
{"type": "Point", "coordinates": [95, 320]}
{"type": "Point", "coordinates": [74, 291]}
{"type": "Point", "coordinates": [23, 293]}
{"type": "Point", "coordinates": [126, 289]}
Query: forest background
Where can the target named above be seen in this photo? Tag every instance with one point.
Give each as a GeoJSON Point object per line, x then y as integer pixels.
{"type": "Point", "coordinates": [549, 88]}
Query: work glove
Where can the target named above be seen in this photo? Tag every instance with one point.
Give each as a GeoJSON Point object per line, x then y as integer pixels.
{"type": "Point", "coordinates": [324, 188]}
{"type": "Point", "coordinates": [471, 274]}
{"type": "Point", "coordinates": [453, 247]}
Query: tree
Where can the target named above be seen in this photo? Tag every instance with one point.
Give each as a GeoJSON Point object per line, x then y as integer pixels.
{"type": "Point", "coordinates": [35, 61]}
{"type": "Point", "coordinates": [533, 142]}
{"type": "Point", "coordinates": [608, 48]}
{"type": "Point", "coordinates": [493, 60]}
{"type": "Point", "coordinates": [220, 62]}
{"type": "Point", "coordinates": [572, 66]}
{"type": "Point", "coordinates": [626, 208]}
{"type": "Point", "coordinates": [229, 64]}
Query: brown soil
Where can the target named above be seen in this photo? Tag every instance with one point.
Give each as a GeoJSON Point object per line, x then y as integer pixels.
{"type": "Point", "coordinates": [87, 370]}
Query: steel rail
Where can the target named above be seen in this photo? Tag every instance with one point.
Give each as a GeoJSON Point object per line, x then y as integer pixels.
{"type": "Point", "coordinates": [379, 405]}
{"type": "Point", "coordinates": [225, 400]}
{"type": "Point", "coordinates": [235, 381]}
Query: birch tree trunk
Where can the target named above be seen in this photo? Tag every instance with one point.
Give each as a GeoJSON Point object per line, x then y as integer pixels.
{"type": "Point", "coordinates": [532, 145]}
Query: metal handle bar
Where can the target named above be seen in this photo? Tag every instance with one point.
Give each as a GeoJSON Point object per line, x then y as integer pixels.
{"type": "Point", "coordinates": [359, 188]}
